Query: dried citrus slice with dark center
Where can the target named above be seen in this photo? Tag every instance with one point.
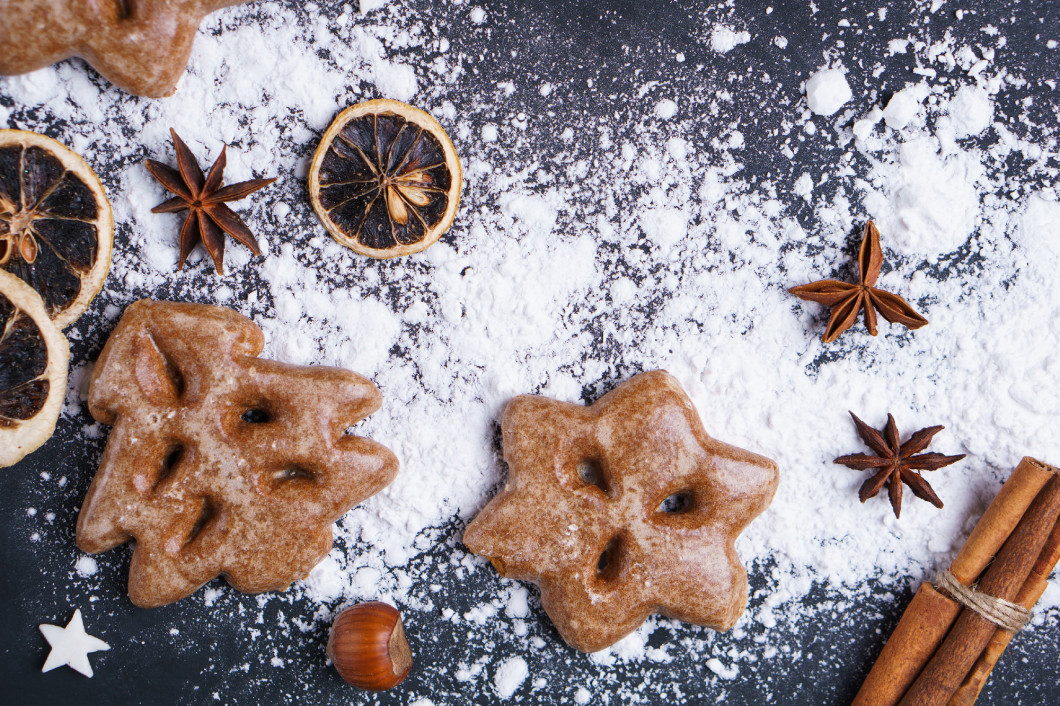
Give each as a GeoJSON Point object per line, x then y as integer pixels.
{"type": "Point", "coordinates": [34, 356]}
{"type": "Point", "coordinates": [56, 227]}
{"type": "Point", "coordinates": [385, 179]}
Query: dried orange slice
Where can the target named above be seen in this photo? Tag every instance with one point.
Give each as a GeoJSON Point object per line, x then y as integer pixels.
{"type": "Point", "coordinates": [385, 179]}
{"type": "Point", "coordinates": [56, 227]}
{"type": "Point", "coordinates": [34, 356]}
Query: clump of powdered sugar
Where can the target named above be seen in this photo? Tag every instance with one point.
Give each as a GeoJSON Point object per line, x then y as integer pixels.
{"type": "Point", "coordinates": [724, 39]}
{"type": "Point", "coordinates": [510, 676]}
{"type": "Point", "coordinates": [637, 243]}
{"type": "Point", "coordinates": [827, 91]}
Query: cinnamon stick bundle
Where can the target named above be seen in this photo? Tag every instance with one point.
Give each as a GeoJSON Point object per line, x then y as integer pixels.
{"type": "Point", "coordinates": [941, 653]}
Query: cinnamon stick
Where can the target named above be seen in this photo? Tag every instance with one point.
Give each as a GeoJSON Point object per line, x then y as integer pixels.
{"type": "Point", "coordinates": [1000, 518]}
{"type": "Point", "coordinates": [971, 633]}
{"type": "Point", "coordinates": [916, 637]}
{"type": "Point", "coordinates": [929, 617]}
{"type": "Point", "coordinates": [1027, 597]}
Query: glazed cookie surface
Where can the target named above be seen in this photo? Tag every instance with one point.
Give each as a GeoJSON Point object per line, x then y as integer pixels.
{"type": "Point", "coordinates": [622, 509]}
{"type": "Point", "coordinates": [220, 463]}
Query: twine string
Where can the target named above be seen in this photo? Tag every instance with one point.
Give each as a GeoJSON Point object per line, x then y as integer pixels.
{"type": "Point", "coordinates": [1004, 614]}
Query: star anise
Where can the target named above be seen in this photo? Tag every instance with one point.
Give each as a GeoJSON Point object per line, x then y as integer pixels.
{"type": "Point", "coordinates": [897, 463]}
{"type": "Point", "coordinates": [208, 217]}
{"type": "Point", "coordinates": [846, 299]}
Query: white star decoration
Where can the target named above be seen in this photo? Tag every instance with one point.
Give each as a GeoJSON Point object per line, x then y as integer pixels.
{"type": "Point", "coordinates": [71, 645]}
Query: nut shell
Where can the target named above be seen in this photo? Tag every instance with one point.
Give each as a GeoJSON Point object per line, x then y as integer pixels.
{"type": "Point", "coordinates": [368, 646]}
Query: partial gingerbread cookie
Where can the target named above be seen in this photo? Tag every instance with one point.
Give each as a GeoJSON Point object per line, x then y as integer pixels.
{"type": "Point", "coordinates": [622, 509]}
{"type": "Point", "coordinates": [220, 463]}
{"type": "Point", "coordinates": [139, 45]}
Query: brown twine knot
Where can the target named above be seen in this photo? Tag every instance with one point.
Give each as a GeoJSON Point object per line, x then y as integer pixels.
{"type": "Point", "coordinates": [1005, 614]}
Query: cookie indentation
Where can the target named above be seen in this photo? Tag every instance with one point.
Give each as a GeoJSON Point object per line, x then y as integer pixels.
{"type": "Point", "coordinates": [209, 514]}
{"type": "Point", "coordinates": [613, 560]}
{"type": "Point", "coordinates": [591, 472]}
{"type": "Point", "coordinates": [678, 503]}
{"type": "Point", "coordinates": [173, 457]}
{"type": "Point", "coordinates": [293, 473]}
{"type": "Point", "coordinates": [256, 415]}
{"type": "Point", "coordinates": [158, 375]}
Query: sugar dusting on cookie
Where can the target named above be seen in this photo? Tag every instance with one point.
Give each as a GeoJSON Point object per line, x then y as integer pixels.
{"type": "Point", "coordinates": [587, 250]}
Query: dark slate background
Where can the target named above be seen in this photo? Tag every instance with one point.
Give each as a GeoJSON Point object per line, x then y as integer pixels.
{"type": "Point", "coordinates": [566, 43]}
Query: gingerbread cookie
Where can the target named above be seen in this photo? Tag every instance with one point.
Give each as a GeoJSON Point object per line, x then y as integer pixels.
{"type": "Point", "coordinates": [140, 45]}
{"type": "Point", "coordinates": [622, 509]}
{"type": "Point", "coordinates": [220, 463]}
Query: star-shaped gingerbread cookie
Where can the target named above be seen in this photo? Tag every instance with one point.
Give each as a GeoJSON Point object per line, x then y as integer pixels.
{"type": "Point", "coordinates": [140, 45]}
{"type": "Point", "coordinates": [622, 509]}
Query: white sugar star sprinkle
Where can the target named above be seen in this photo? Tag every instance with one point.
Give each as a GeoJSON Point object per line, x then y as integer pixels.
{"type": "Point", "coordinates": [71, 645]}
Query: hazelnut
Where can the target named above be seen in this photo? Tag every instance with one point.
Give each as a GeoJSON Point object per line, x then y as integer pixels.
{"type": "Point", "coordinates": [368, 646]}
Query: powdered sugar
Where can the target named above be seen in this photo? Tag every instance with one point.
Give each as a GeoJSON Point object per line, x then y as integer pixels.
{"type": "Point", "coordinates": [715, 665]}
{"type": "Point", "coordinates": [369, 5]}
{"type": "Point", "coordinates": [827, 91]}
{"type": "Point", "coordinates": [654, 238]}
{"type": "Point", "coordinates": [666, 109]}
{"type": "Point", "coordinates": [971, 111]}
{"type": "Point", "coordinates": [724, 39]}
{"type": "Point", "coordinates": [925, 201]}
{"type": "Point", "coordinates": [510, 676]}
{"type": "Point", "coordinates": [905, 105]}
{"type": "Point", "coordinates": [86, 566]}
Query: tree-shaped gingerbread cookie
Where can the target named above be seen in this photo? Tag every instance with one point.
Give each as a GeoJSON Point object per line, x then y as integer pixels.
{"type": "Point", "coordinates": [221, 463]}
